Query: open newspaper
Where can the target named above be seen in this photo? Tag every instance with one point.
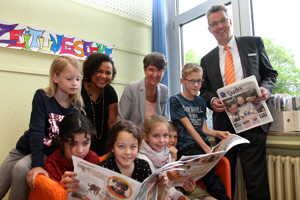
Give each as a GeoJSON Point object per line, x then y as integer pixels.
{"type": "Point", "coordinates": [198, 166]}
{"type": "Point", "coordinates": [100, 183]}
{"type": "Point", "coordinates": [242, 108]}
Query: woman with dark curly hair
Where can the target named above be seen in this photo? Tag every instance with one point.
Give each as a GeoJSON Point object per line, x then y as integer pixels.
{"type": "Point", "coordinates": [100, 98]}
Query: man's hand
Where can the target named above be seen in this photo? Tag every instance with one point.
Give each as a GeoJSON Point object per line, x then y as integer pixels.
{"type": "Point", "coordinates": [265, 95]}
{"type": "Point", "coordinates": [218, 106]}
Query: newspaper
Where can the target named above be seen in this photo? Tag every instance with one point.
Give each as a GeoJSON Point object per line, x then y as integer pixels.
{"type": "Point", "coordinates": [199, 165]}
{"type": "Point", "coordinates": [100, 183]}
{"type": "Point", "coordinates": [242, 108]}
{"type": "Point", "coordinates": [285, 102]}
{"type": "Point", "coordinates": [97, 182]}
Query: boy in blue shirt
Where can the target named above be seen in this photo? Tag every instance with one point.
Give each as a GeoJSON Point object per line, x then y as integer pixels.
{"type": "Point", "coordinates": [188, 113]}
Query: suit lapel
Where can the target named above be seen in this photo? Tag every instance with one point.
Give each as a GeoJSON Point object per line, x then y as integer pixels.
{"type": "Point", "coordinates": [242, 47]}
{"type": "Point", "coordinates": [216, 67]}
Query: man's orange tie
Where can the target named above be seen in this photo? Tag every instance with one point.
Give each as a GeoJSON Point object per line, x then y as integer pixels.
{"type": "Point", "coordinates": [229, 68]}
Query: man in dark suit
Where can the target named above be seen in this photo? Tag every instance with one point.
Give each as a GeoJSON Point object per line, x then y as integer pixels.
{"type": "Point", "coordinates": [249, 58]}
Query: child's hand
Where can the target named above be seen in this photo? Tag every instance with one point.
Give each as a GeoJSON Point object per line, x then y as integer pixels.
{"type": "Point", "coordinates": [189, 185]}
{"type": "Point", "coordinates": [207, 149]}
{"type": "Point", "coordinates": [222, 134]}
{"type": "Point", "coordinates": [183, 198]}
{"type": "Point", "coordinates": [31, 175]}
{"type": "Point", "coordinates": [68, 181]}
{"type": "Point", "coordinates": [161, 185]}
{"type": "Point", "coordinates": [173, 152]}
{"type": "Point", "coordinates": [172, 175]}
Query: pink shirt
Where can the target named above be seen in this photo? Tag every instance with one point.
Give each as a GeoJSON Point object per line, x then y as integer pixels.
{"type": "Point", "coordinates": [150, 109]}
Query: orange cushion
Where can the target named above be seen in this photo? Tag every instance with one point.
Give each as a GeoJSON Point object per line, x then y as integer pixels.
{"type": "Point", "coordinates": [223, 171]}
{"type": "Point", "coordinates": [47, 189]}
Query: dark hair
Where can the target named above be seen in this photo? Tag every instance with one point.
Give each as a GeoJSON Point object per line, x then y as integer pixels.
{"type": "Point", "coordinates": [156, 59]}
{"type": "Point", "coordinates": [126, 126]}
{"type": "Point", "coordinates": [74, 124]}
{"type": "Point", "coordinates": [229, 105]}
{"type": "Point", "coordinates": [92, 63]}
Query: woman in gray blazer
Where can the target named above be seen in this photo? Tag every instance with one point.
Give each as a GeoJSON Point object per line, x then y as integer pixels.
{"type": "Point", "coordinates": [148, 96]}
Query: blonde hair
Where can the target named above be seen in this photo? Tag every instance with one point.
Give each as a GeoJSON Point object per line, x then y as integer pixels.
{"type": "Point", "coordinates": [57, 66]}
{"type": "Point", "coordinates": [153, 121]}
{"type": "Point", "coordinates": [189, 68]}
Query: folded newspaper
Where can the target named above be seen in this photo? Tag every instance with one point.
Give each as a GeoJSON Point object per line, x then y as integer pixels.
{"type": "Point", "coordinates": [198, 166]}
{"type": "Point", "coordinates": [100, 183]}
{"type": "Point", "coordinates": [242, 108]}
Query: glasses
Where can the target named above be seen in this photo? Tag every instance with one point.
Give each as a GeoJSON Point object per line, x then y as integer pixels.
{"type": "Point", "coordinates": [216, 23]}
{"type": "Point", "coordinates": [192, 82]}
{"type": "Point", "coordinates": [158, 71]}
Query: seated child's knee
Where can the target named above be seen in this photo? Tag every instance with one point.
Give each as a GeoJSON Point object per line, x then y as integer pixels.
{"type": "Point", "coordinates": [20, 169]}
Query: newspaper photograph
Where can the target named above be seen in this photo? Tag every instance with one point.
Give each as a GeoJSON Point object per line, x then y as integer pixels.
{"type": "Point", "coordinates": [198, 166]}
{"type": "Point", "coordinates": [242, 108]}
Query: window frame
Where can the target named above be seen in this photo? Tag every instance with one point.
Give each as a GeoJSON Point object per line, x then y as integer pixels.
{"type": "Point", "coordinates": [242, 20]}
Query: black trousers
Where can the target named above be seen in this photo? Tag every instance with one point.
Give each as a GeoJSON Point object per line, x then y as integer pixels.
{"type": "Point", "coordinates": [253, 162]}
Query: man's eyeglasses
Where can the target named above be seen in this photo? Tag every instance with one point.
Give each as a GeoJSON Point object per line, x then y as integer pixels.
{"type": "Point", "coordinates": [192, 82]}
{"type": "Point", "coordinates": [216, 23]}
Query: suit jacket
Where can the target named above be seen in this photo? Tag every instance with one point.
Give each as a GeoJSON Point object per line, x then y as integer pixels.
{"type": "Point", "coordinates": [132, 105]}
{"type": "Point", "coordinates": [254, 61]}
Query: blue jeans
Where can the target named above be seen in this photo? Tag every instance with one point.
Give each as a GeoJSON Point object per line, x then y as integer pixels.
{"type": "Point", "coordinates": [215, 187]}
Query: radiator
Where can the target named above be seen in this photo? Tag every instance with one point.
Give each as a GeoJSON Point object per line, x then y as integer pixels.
{"type": "Point", "coordinates": [284, 178]}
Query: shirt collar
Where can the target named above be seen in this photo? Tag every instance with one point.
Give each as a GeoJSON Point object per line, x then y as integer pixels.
{"type": "Point", "coordinates": [232, 44]}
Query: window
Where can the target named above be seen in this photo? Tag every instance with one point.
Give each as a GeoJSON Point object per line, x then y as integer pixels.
{"type": "Point", "coordinates": [185, 5]}
{"type": "Point", "coordinates": [280, 42]}
{"type": "Point", "coordinates": [188, 31]}
{"type": "Point", "coordinates": [197, 41]}
{"type": "Point", "coordinates": [277, 23]}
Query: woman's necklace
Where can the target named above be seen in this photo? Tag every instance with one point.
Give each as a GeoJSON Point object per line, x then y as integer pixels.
{"type": "Point", "coordinates": [94, 112]}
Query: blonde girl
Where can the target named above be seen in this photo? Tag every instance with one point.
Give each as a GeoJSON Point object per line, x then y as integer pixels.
{"type": "Point", "coordinates": [154, 149]}
{"type": "Point", "coordinates": [49, 106]}
{"type": "Point", "coordinates": [123, 145]}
